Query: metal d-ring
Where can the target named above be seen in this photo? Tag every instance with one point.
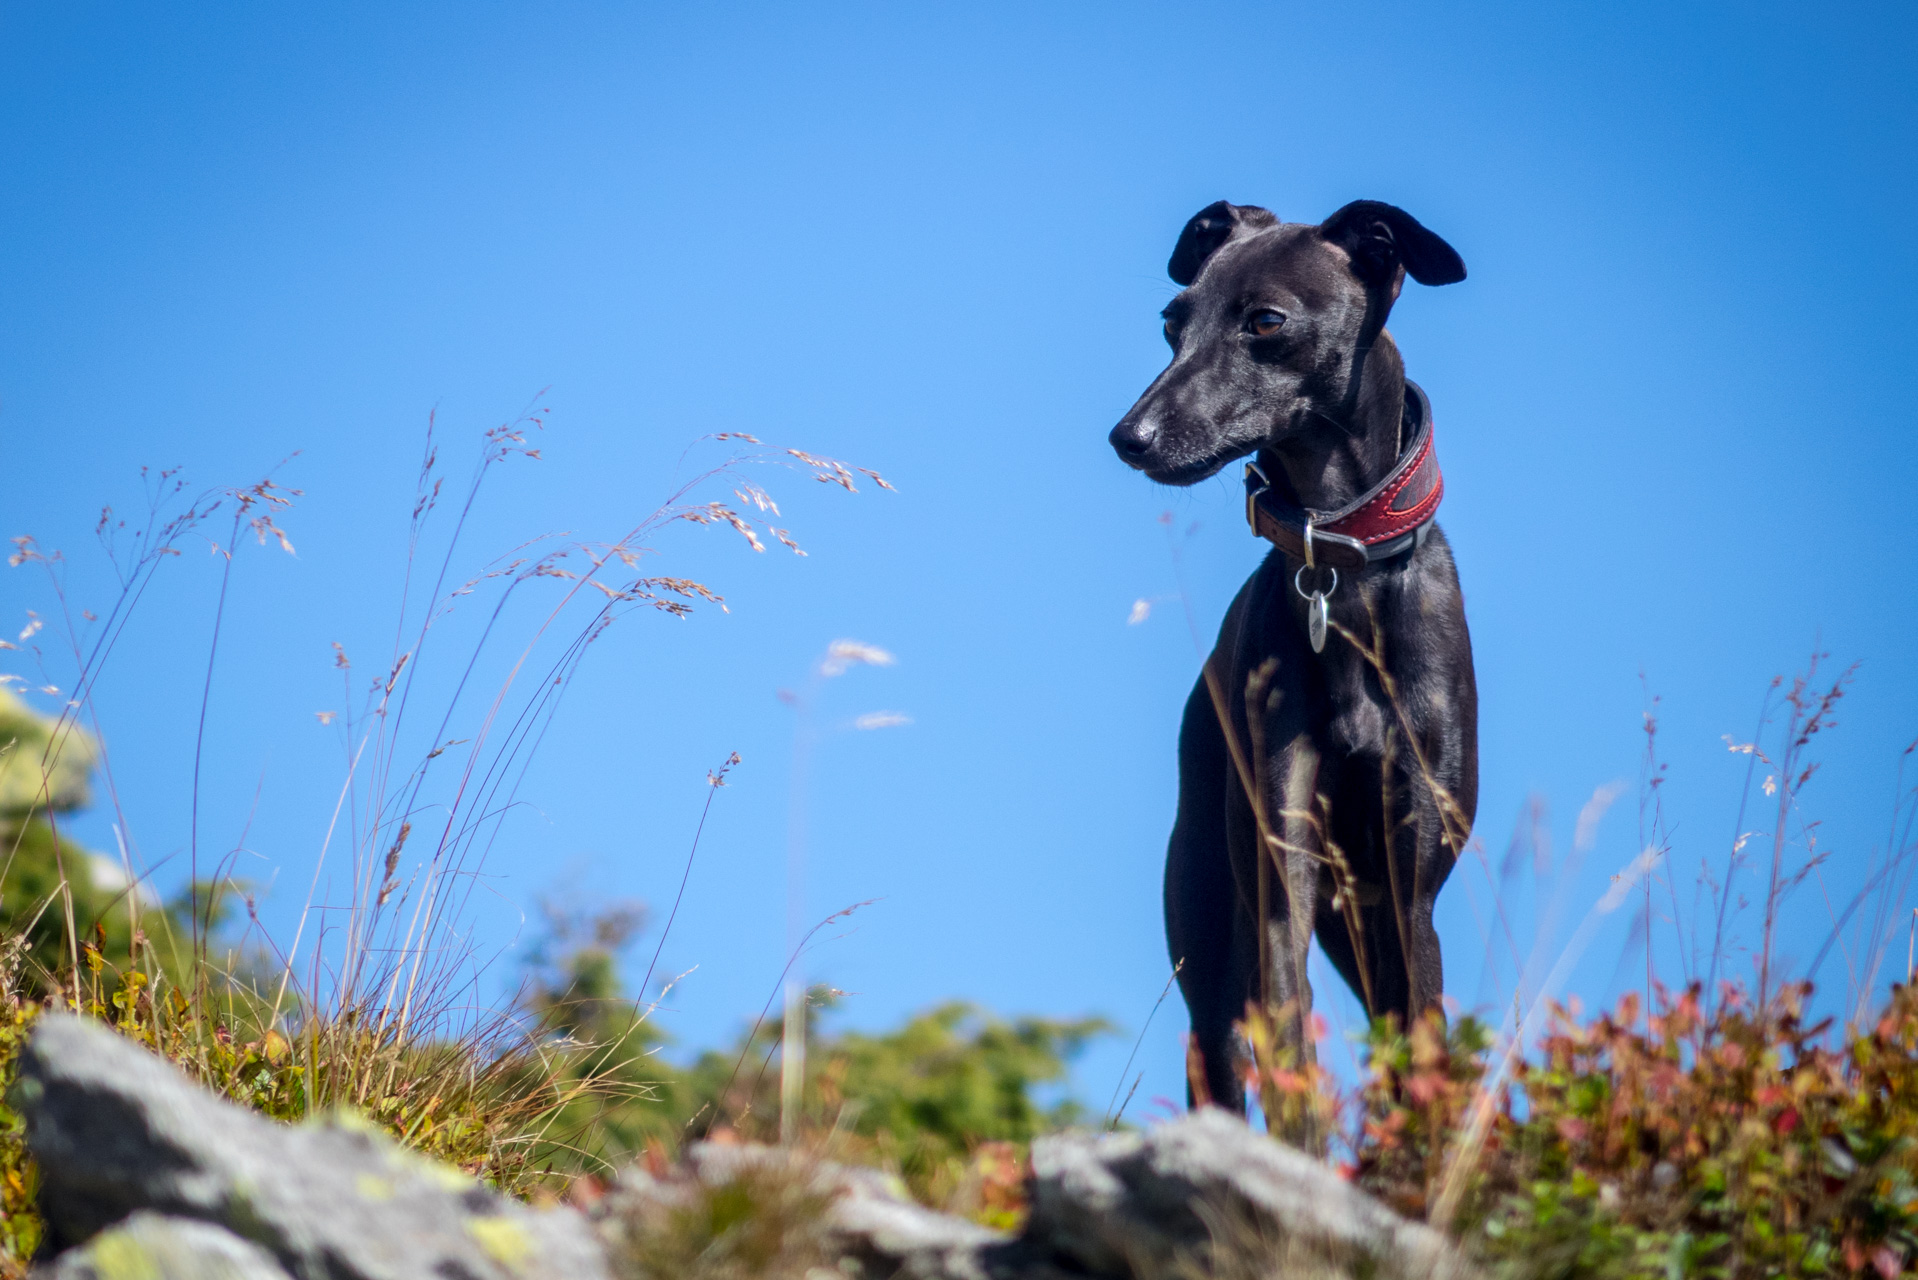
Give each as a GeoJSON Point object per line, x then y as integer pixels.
{"type": "Point", "coordinates": [1298, 582]}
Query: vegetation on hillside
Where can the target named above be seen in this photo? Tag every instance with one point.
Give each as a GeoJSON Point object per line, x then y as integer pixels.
{"type": "Point", "coordinates": [1721, 1140]}
{"type": "Point", "coordinates": [1709, 1128]}
{"type": "Point", "coordinates": [560, 1092]}
{"type": "Point", "coordinates": [1706, 1126]}
{"type": "Point", "coordinates": [949, 1100]}
{"type": "Point", "coordinates": [50, 895]}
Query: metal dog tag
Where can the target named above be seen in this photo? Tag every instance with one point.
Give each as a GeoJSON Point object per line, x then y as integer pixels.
{"type": "Point", "coordinates": [1316, 613]}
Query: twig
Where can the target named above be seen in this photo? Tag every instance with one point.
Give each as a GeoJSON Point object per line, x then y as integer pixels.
{"type": "Point", "coordinates": [715, 780]}
{"type": "Point", "coordinates": [779, 986]}
{"type": "Point", "coordinates": [1112, 1120]}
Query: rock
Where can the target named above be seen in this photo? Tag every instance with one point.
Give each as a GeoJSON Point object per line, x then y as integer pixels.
{"type": "Point", "coordinates": [1201, 1196]}
{"type": "Point", "coordinates": [153, 1247]}
{"type": "Point", "coordinates": [117, 1130]}
{"type": "Point", "coordinates": [1206, 1193]}
{"type": "Point", "coordinates": [859, 1220]}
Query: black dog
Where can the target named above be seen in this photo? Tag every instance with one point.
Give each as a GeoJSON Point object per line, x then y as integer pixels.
{"type": "Point", "coordinates": [1340, 693]}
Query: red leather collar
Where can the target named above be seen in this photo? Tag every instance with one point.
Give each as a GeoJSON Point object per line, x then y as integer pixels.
{"type": "Point", "coordinates": [1389, 518]}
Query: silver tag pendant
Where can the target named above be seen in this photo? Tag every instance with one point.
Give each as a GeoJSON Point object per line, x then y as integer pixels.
{"type": "Point", "coordinates": [1317, 614]}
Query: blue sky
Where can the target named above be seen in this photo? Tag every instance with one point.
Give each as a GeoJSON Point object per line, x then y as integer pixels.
{"type": "Point", "coordinates": [1673, 407]}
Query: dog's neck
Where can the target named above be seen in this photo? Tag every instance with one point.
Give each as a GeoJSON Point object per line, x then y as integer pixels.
{"type": "Point", "coordinates": [1341, 455]}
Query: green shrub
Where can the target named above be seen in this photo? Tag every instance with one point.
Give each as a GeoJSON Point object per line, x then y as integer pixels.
{"type": "Point", "coordinates": [948, 1100]}
{"type": "Point", "coordinates": [51, 901]}
{"type": "Point", "coordinates": [1734, 1141]}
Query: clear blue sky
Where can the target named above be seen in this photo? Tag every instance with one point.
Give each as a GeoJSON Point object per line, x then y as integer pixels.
{"type": "Point", "coordinates": [1674, 401]}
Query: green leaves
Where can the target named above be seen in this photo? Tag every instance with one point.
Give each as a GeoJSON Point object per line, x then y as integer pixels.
{"type": "Point", "coordinates": [1739, 1142]}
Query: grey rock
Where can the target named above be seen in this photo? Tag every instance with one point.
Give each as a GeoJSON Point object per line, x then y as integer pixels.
{"type": "Point", "coordinates": [877, 1223]}
{"type": "Point", "coordinates": [1206, 1195]}
{"type": "Point", "coordinates": [117, 1130]}
{"type": "Point", "coordinates": [150, 1246]}
{"type": "Point", "coordinates": [869, 1225]}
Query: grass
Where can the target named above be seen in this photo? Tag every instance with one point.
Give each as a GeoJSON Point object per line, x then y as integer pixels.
{"type": "Point", "coordinates": [767, 1222]}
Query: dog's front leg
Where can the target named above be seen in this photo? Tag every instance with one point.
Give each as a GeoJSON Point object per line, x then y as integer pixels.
{"type": "Point", "coordinates": [1210, 913]}
{"type": "Point", "coordinates": [1289, 878]}
{"type": "Point", "coordinates": [1425, 849]}
{"type": "Point", "coordinates": [1291, 869]}
{"type": "Point", "coordinates": [1420, 825]}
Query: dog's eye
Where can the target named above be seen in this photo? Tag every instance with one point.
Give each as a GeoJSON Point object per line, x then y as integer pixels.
{"type": "Point", "coordinates": [1263, 324]}
{"type": "Point", "coordinates": [1171, 334]}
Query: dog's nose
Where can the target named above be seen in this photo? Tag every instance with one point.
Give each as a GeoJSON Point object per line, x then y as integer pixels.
{"type": "Point", "coordinates": [1132, 440]}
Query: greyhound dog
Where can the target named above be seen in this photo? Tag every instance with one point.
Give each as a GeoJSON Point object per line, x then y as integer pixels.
{"type": "Point", "coordinates": [1328, 761]}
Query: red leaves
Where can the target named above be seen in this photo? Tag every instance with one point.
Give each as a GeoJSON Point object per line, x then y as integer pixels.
{"type": "Point", "coordinates": [1770, 1119]}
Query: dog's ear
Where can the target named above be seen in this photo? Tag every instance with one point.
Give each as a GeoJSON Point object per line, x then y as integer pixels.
{"type": "Point", "coordinates": [1209, 228]}
{"type": "Point", "coordinates": [1381, 238]}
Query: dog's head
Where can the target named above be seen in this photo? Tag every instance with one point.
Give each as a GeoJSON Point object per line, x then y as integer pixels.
{"type": "Point", "coordinates": [1272, 329]}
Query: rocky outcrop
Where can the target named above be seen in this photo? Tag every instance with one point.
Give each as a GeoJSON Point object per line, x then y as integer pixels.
{"type": "Point", "coordinates": [1206, 1193]}
{"type": "Point", "coordinates": [152, 1246]}
{"type": "Point", "coordinates": [1200, 1196]}
{"type": "Point", "coordinates": [117, 1130]}
{"type": "Point", "coordinates": [865, 1223]}
{"type": "Point", "coordinates": [145, 1174]}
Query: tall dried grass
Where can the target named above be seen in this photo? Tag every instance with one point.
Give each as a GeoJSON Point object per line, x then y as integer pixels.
{"type": "Point", "coordinates": [376, 1001]}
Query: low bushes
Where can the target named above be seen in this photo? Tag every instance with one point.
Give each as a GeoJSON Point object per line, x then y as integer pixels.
{"type": "Point", "coordinates": [1718, 1139]}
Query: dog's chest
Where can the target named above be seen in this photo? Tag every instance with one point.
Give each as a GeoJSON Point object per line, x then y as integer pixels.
{"type": "Point", "coordinates": [1337, 695]}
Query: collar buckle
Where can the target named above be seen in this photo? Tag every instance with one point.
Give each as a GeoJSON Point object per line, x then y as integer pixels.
{"type": "Point", "coordinates": [1252, 494]}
